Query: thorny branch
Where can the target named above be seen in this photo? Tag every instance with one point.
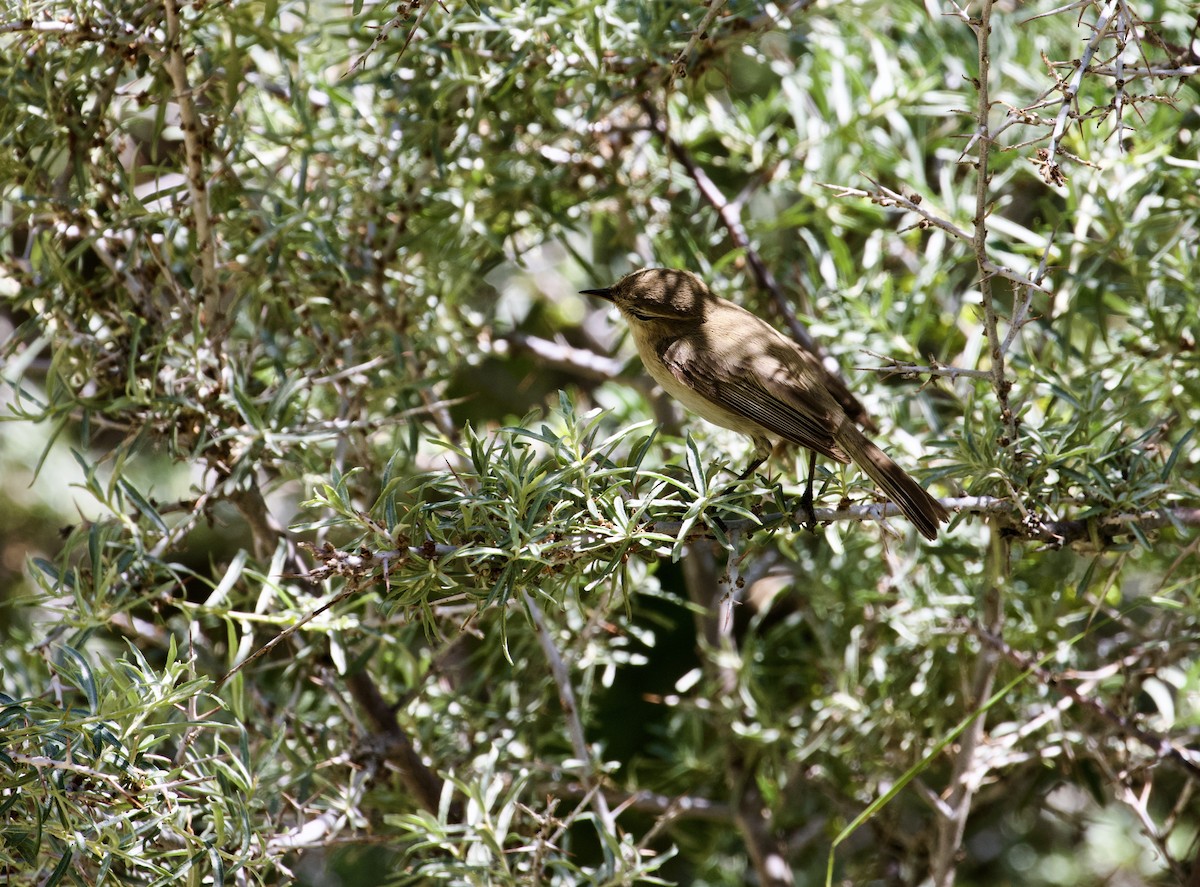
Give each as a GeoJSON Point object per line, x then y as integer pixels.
{"type": "Point", "coordinates": [1051, 171]}
{"type": "Point", "coordinates": [679, 66]}
{"type": "Point", "coordinates": [887, 197]}
{"type": "Point", "coordinates": [952, 827]}
{"type": "Point", "coordinates": [1099, 532]}
{"type": "Point", "coordinates": [979, 240]}
{"type": "Point", "coordinates": [197, 177]}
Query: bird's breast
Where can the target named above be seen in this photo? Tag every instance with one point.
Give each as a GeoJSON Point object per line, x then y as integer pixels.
{"type": "Point", "coordinates": [677, 364]}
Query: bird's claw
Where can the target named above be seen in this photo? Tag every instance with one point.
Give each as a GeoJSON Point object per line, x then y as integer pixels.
{"type": "Point", "coordinates": [810, 515]}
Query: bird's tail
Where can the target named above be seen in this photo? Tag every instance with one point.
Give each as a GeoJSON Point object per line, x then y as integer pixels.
{"type": "Point", "coordinates": [918, 506]}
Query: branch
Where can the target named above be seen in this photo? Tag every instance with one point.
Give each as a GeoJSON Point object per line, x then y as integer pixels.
{"type": "Point", "coordinates": [265, 530]}
{"type": "Point", "coordinates": [969, 769]}
{"type": "Point", "coordinates": [196, 178]}
{"type": "Point", "coordinates": [983, 29]}
{"type": "Point", "coordinates": [1056, 533]}
{"type": "Point", "coordinates": [1182, 72]}
{"type": "Point", "coordinates": [1139, 803]}
{"type": "Point", "coordinates": [560, 355]}
{"type": "Point", "coordinates": [566, 697]}
{"type": "Point", "coordinates": [425, 785]}
{"type": "Point", "coordinates": [911, 370]}
{"type": "Point", "coordinates": [679, 66]}
{"type": "Point", "coordinates": [385, 31]}
{"type": "Point", "coordinates": [887, 197]}
{"type": "Point", "coordinates": [731, 218]}
{"type": "Point", "coordinates": [1100, 530]}
{"type": "Point", "coordinates": [316, 832]}
{"type": "Point", "coordinates": [714, 597]}
{"type": "Point", "coordinates": [1051, 171]}
{"type": "Point", "coordinates": [1161, 745]}
{"type": "Point", "coordinates": [68, 28]}
{"type": "Point", "coordinates": [679, 807]}
{"type": "Point", "coordinates": [350, 590]}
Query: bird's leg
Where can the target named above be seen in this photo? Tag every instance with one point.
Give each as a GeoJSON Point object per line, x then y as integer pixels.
{"type": "Point", "coordinates": [806, 501]}
{"type": "Point", "coordinates": [762, 451]}
{"type": "Point", "coordinates": [759, 459]}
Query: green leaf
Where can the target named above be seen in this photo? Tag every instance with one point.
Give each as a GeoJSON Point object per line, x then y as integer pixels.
{"type": "Point", "coordinates": [143, 505]}
{"type": "Point", "coordinates": [81, 675]}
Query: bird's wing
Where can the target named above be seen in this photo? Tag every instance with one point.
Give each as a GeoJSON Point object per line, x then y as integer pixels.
{"type": "Point", "coordinates": [763, 389]}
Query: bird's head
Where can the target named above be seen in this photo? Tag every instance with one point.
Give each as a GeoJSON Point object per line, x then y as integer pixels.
{"type": "Point", "coordinates": [658, 295]}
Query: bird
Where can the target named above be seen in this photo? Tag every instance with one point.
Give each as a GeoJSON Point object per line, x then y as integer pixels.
{"type": "Point", "coordinates": [735, 370]}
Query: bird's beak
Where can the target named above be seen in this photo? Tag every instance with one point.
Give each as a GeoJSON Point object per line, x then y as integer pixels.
{"type": "Point", "coordinates": [605, 293]}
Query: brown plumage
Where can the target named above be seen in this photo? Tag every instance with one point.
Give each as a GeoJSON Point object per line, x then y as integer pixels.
{"type": "Point", "coordinates": [737, 371]}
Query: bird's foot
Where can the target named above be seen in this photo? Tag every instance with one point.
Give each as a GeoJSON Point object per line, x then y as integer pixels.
{"type": "Point", "coordinates": [810, 515]}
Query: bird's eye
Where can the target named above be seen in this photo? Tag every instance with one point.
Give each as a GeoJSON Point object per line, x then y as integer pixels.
{"type": "Point", "coordinates": [639, 315]}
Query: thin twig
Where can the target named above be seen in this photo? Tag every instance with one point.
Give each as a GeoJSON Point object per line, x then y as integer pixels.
{"type": "Point", "coordinates": [679, 66]}
{"type": "Point", "coordinates": [1051, 171]}
{"type": "Point", "coordinates": [969, 767]}
{"type": "Point", "coordinates": [566, 697]}
{"type": "Point", "coordinates": [887, 197]}
{"type": "Point", "coordinates": [386, 31]}
{"type": "Point", "coordinates": [911, 370]}
{"type": "Point", "coordinates": [1024, 299]}
{"type": "Point", "coordinates": [1182, 72]}
{"type": "Point", "coordinates": [349, 591]}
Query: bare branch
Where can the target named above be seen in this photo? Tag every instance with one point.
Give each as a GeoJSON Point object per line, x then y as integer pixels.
{"type": "Point", "coordinates": [1051, 171]}
{"type": "Point", "coordinates": [679, 66]}
{"type": "Point", "coordinates": [560, 355]}
{"type": "Point", "coordinates": [887, 197]}
{"type": "Point", "coordinates": [1182, 72]}
{"type": "Point", "coordinates": [566, 697]}
{"type": "Point", "coordinates": [969, 768]}
{"type": "Point", "coordinates": [910, 370]}
{"type": "Point", "coordinates": [983, 28]}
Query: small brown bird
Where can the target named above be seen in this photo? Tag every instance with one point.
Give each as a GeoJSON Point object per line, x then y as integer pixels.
{"type": "Point", "coordinates": [737, 371]}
